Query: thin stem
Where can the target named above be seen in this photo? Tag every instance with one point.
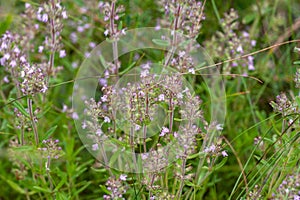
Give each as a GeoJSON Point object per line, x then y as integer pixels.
{"type": "Point", "coordinates": [115, 43]}
{"type": "Point", "coordinates": [22, 135]}
{"type": "Point", "coordinates": [171, 109]}
{"type": "Point", "coordinates": [239, 163]}
{"type": "Point", "coordinates": [151, 184]}
{"type": "Point", "coordinates": [145, 126]}
{"type": "Point", "coordinates": [16, 82]}
{"type": "Point", "coordinates": [105, 159]}
{"type": "Point", "coordinates": [36, 135]}
{"type": "Point", "coordinates": [53, 42]}
{"type": "Point", "coordinates": [182, 178]}
{"type": "Point", "coordinates": [144, 138]}
{"type": "Point", "coordinates": [48, 163]}
{"type": "Point", "coordinates": [174, 41]}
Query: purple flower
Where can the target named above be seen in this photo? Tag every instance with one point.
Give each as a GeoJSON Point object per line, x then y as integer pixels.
{"type": "Point", "coordinates": [5, 79]}
{"type": "Point", "coordinates": [13, 63]}
{"type": "Point", "coordinates": [253, 43]}
{"type": "Point", "coordinates": [161, 97]}
{"type": "Point", "coordinates": [41, 48]}
{"type": "Point", "coordinates": [75, 115]}
{"type": "Point", "coordinates": [144, 73]}
{"type": "Point", "coordinates": [239, 49]}
{"type": "Point", "coordinates": [106, 119]}
{"type": "Point", "coordinates": [64, 15]}
{"type": "Point", "coordinates": [224, 153]}
{"type": "Point", "coordinates": [62, 53]}
{"type": "Point", "coordinates": [104, 98]}
{"type": "Point", "coordinates": [95, 147]}
{"type": "Point", "coordinates": [99, 132]}
{"type": "Point", "coordinates": [83, 126]}
{"type": "Point", "coordinates": [123, 177]}
{"type": "Point", "coordinates": [164, 131]}
{"type": "Point", "coordinates": [106, 32]}
{"type": "Point", "coordinates": [219, 127]}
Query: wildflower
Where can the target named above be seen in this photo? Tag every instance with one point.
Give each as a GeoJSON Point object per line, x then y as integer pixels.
{"type": "Point", "coordinates": [104, 98]}
{"type": "Point", "coordinates": [5, 79]}
{"type": "Point", "coordinates": [239, 49]}
{"type": "Point", "coordinates": [75, 116]}
{"type": "Point", "coordinates": [161, 97]}
{"type": "Point", "coordinates": [224, 153]}
{"type": "Point", "coordinates": [92, 44]}
{"type": "Point", "coordinates": [106, 32]}
{"type": "Point", "coordinates": [144, 156]}
{"type": "Point", "coordinates": [164, 131]}
{"type": "Point", "coordinates": [13, 63]}
{"type": "Point", "coordinates": [23, 59]}
{"type": "Point", "coordinates": [219, 127]}
{"type": "Point", "coordinates": [102, 81]}
{"type": "Point", "coordinates": [44, 18]}
{"type": "Point", "coordinates": [99, 132]}
{"type": "Point", "coordinates": [80, 29]}
{"type": "Point", "coordinates": [123, 177]}
{"type": "Point", "coordinates": [137, 127]}
{"type": "Point", "coordinates": [95, 147]}
{"type": "Point", "coordinates": [84, 125]}
{"type": "Point", "coordinates": [179, 95]}
{"type": "Point", "coordinates": [106, 119]}
{"type": "Point", "coordinates": [64, 14]}
{"type": "Point", "coordinates": [41, 48]}
{"type": "Point", "coordinates": [65, 108]}
{"type": "Point", "coordinates": [73, 37]}
{"type": "Point", "coordinates": [27, 5]}
{"type": "Point", "coordinates": [144, 73]}
{"type": "Point", "coordinates": [33, 80]}
{"type": "Point", "coordinates": [192, 70]}
{"type": "Point", "coordinates": [62, 53]}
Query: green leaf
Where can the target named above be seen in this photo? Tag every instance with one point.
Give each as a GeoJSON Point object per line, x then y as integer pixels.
{"type": "Point", "coordinates": [49, 133]}
{"type": "Point", "coordinates": [298, 101]}
{"type": "Point", "coordinates": [40, 189]}
{"type": "Point", "coordinates": [16, 187]}
{"type": "Point", "coordinates": [120, 25]}
{"type": "Point", "coordinates": [296, 62]}
{"type": "Point", "coordinates": [249, 18]}
{"type": "Point", "coordinates": [100, 170]}
{"type": "Point", "coordinates": [103, 188]}
{"type": "Point", "coordinates": [127, 69]}
{"type": "Point", "coordinates": [219, 165]}
{"type": "Point", "coordinates": [61, 196]}
{"type": "Point", "coordinates": [195, 155]}
{"type": "Point", "coordinates": [85, 185]}
{"type": "Point", "coordinates": [177, 119]}
{"type": "Point", "coordinates": [188, 183]}
{"type": "Point", "coordinates": [61, 183]}
{"type": "Point", "coordinates": [4, 25]}
{"type": "Point", "coordinates": [114, 157]}
{"type": "Point", "coordinates": [45, 110]}
{"type": "Point", "coordinates": [20, 107]}
{"type": "Point", "coordinates": [23, 148]}
{"type": "Point", "coordinates": [161, 42]}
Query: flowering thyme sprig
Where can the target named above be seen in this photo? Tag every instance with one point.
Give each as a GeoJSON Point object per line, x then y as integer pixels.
{"type": "Point", "coordinates": [117, 187]}
{"type": "Point", "coordinates": [50, 150]}
{"type": "Point", "coordinates": [230, 43]}
{"type": "Point", "coordinates": [52, 14]}
{"type": "Point", "coordinates": [112, 13]}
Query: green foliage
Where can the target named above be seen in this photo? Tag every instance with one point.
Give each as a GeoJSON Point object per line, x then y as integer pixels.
{"type": "Point", "coordinates": [264, 145]}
